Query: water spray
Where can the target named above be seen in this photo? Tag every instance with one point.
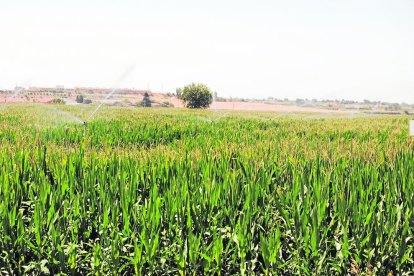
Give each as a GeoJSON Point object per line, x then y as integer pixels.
{"type": "Point", "coordinates": [115, 87]}
{"type": "Point", "coordinates": [214, 109]}
{"type": "Point", "coordinates": [76, 119]}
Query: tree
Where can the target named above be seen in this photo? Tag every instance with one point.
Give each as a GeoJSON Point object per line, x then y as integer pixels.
{"type": "Point", "coordinates": [179, 92]}
{"type": "Point", "coordinates": [146, 101]}
{"type": "Point", "coordinates": [300, 101]}
{"type": "Point", "coordinates": [79, 99]}
{"type": "Point", "coordinates": [196, 95]}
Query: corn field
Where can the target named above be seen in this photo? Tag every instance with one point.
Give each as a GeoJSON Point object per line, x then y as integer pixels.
{"type": "Point", "coordinates": [183, 192]}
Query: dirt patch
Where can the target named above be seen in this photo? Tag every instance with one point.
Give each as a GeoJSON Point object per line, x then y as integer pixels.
{"type": "Point", "coordinates": [160, 98]}
{"type": "Point", "coordinates": [269, 107]}
{"type": "Point", "coordinates": [44, 99]}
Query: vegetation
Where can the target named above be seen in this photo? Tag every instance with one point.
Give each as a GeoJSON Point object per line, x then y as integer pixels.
{"type": "Point", "coordinates": [179, 92]}
{"type": "Point", "coordinates": [57, 101]}
{"type": "Point", "coordinates": [167, 104]}
{"type": "Point", "coordinates": [191, 192]}
{"type": "Point", "coordinates": [146, 101]}
{"type": "Point", "coordinates": [82, 99]}
{"type": "Point", "coordinates": [196, 95]}
{"type": "Point", "coordinates": [79, 98]}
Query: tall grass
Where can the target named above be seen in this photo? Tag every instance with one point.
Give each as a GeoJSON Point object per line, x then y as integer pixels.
{"type": "Point", "coordinates": [166, 192]}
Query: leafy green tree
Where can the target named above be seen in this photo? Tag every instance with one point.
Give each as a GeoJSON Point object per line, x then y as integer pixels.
{"type": "Point", "coordinates": [146, 101]}
{"type": "Point", "coordinates": [179, 92]}
{"type": "Point", "coordinates": [196, 95]}
{"type": "Point", "coordinates": [79, 99]}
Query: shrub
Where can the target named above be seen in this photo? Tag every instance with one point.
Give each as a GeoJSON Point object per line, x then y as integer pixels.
{"type": "Point", "coordinates": [57, 101]}
{"type": "Point", "coordinates": [79, 98]}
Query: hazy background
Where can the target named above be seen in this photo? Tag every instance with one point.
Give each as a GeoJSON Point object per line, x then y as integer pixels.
{"type": "Point", "coordinates": [309, 49]}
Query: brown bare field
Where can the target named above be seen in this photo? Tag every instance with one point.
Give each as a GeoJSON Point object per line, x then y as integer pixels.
{"type": "Point", "coordinates": [37, 99]}
{"type": "Point", "coordinates": [160, 98]}
{"type": "Point", "coordinates": [254, 106]}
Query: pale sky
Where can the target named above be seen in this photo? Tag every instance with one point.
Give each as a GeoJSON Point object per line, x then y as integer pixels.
{"type": "Point", "coordinates": [332, 49]}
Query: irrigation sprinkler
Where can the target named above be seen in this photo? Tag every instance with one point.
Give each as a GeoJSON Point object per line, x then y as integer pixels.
{"type": "Point", "coordinates": [76, 119]}
{"type": "Point", "coordinates": [84, 128]}
{"type": "Point", "coordinates": [214, 109]}
{"type": "Point", "coordinates": [115, 87]}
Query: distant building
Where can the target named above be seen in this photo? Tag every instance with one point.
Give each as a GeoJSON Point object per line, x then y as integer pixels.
{"type": "Point", "coordinates": [60, 88]}
{"type": "Point", "coordinates": [41, 89]}
{"type": "Point", "coordinates": [19, 88]}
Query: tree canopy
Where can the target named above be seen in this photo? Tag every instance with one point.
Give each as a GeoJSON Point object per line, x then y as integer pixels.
{"type": "Point", "coordinates": [79, 98]}
{"type": "Point", "coordinates": [146, 101]}
{"type": "Point", "coordinates": [196, 95]}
